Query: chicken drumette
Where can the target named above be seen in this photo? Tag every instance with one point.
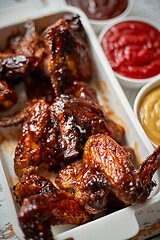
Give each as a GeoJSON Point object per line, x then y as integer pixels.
{"type": "Point", "coordinates": [44, 205]}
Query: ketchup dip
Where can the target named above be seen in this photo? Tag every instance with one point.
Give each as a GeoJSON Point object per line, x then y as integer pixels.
{"type": "Point", "coordinates": [133, 49]}
{"type": "Point", "coordinates": [100, 9]}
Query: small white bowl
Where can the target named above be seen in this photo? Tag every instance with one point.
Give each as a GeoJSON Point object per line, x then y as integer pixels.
{"type": "Point", "coordinates": [98, 25]}
{"type": "Point", "coordinates": [126, 81]}
{"type": "Point", "coordinates": [140, 96]}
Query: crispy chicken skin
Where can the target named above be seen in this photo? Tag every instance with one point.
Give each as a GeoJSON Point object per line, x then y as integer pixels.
{"type": "Point", "coordinates": [91, 191]}
{"type": "Point", "coordinates": [8, 96]}
{"type": "Point", "coordinates": [66, 177]}
{"type": "Point", "coordinates": [39, 212]}
{"type": "Point", "coordinates": [37, 141]}
{"type": "Point", "coordinates": [96, 196]}
{"type": "Point", "coordinates": [67, 55]}
{"type": "Point", "coordinates": [33, 184]}
{"type": "Point", "coordinates": [81, 90]}
{"type": "Point", "coordinates": [44, 205]}
{"type": "Point", "coordinates": [130, 185]}
{"type": "Point", "coordinates": [12, 66]}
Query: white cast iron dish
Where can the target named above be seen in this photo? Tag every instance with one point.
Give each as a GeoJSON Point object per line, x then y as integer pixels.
{"type": "Point", "coordinates": [122, 224]}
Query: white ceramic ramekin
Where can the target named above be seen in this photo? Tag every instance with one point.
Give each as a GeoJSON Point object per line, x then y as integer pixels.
{"type": "Point", "coordinates": [98, 25]}
{"type": "Point", "coordinates": [126, 81]}
{"type": "Point", "coordinates": [140, 96]}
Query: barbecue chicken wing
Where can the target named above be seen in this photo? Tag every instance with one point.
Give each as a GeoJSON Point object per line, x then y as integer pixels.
{"type": "Point", "coordinates": [37, 145]}
{"type": "Point", "coordinates": [44, 205]}
{"type": "Point", "coordinates": [12, 66]}
{"type": "Point", "coordinates": [96, 196]}
{"type": "Point", "coordinates": [67, 55]}
{"type": "Point", "coordinates": [26, 45]}
{"type": "Point", "coordinates": [23, 54]}
{"type": "Point", "coordinates": [103, 155]}
{"type": "Point", "coordinates": [57, 133]}
{"type": "Point", "coordinates": [33, 184]}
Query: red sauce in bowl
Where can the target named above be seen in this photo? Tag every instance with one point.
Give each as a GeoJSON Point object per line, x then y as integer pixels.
{"type": "Point", "coordinates": [133, 49]}
{"type": "Point", "coordinates": [100, 9]}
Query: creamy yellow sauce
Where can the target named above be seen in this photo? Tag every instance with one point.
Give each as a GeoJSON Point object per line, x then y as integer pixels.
{"type": "Point", "coordinates": [149, 115]}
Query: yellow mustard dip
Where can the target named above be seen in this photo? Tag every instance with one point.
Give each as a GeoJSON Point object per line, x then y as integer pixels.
{"type": "Point", "coordinates": [149, 115]}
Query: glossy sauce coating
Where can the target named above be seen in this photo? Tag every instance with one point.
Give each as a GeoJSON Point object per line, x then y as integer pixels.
{"type": "Point", "coordinates": [133, 49]}
{"type": "Point", "coordinates": [104, 156]}
{"type": "Point", "coordinates": [44, 205]}
{"type": "Point", "coordinates": [67, 54]}
{"type": "Point", "coordinates": [149, 115]}
{"type": "Point", "coordinates": [100, 9]}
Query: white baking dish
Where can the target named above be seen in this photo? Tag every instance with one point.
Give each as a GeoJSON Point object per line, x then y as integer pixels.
{"type": "Point", "coordinates": [122, 224]}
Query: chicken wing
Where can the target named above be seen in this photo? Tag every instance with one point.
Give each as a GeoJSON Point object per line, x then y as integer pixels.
{"type": "Point", "coordinates": [26, 45]}
{"type": "Point", "coordinates": [56, 133]}
{"type": "Point", "coordinates": [39, 213]}
{"type": "Point", "coordinates": [37, 145]}
{"type": "Point", "coordinates": [130, 185]}
{"type": "Point", "coordinates": [67, 55]}
{"type": "Point", "coordinates": [95, 195]}
{"type": "Point", "coordinates": [33, 184]}
{"type": "Point", "coordinates": [14, 65]}
{"type": "Point", "coordinates": [44, 205]}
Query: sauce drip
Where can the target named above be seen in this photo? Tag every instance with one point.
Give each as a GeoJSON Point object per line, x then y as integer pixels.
{"type": "Point", "coordinates": [133, 49]}
{"type": "Point", "coordinates": [149, 115]}
{"type": "Point", "coordinates": [100, 9]}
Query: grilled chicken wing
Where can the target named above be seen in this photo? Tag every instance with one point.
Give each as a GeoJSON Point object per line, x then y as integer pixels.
{"type": "Point", "coordinates": [104, 155]}
{"type": "Point", "coordinates": [39, 213]}
{"type": "Point", "coordinates": [44, 205]}
{"type": "Point", "coordinates": [14, 65]}
{"type": "Point", "coordinates": [67, 55]}
{"type": "Point", "coordinates": [26, 45]}
{"type": "Point", "coordinates": [56, 133]}
{"type": "Point", "coordinates": [34, 184]}
{"type": "Point", "coordinates": [95, 194]}
{"type": "Point", "coordinates": [23, 55]}
{"type": "Point", "coordinates": [37, 141]}
{"type": "Point", "coordinates": [66, 178]}
{"type": "Point", "coordinates": [81, 90]}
